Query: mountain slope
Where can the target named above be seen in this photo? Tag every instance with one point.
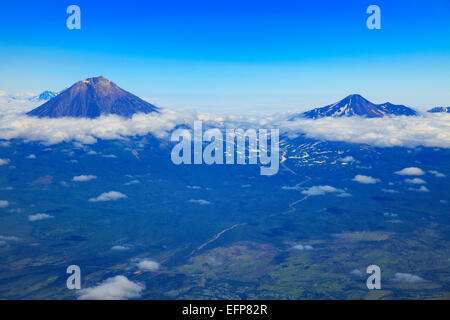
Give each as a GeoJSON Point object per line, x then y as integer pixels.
{"type": "Point", "coordinates": [356, 105]}
{"type": "Point", "coordinates": [44, 96]}
{"type": "Point", "coordinates": [91, 98]}
{"type": "Point", "coordinates": [440, 109]}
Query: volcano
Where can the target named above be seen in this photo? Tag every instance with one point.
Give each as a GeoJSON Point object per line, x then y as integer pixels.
{"type": "Point", "coordinates": [92, 98]}
{"type": "Point", "coordinates": [356, 105]}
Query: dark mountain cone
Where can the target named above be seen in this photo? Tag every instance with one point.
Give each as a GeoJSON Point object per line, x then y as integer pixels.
{"type": "Point", "coordinates": [91, 98]}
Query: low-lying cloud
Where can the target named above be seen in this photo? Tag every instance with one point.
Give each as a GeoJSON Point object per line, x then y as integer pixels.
{"type": "Point", "coordinates": [406, 278]}
{"type": "Point", "coordinates": [365, 179]}
{"type": "Point", "coordinates": [437, 174]}
{"type": "Point", "coordinates": [116, 288]}
{"type": "Point", "coordinates": [108, 196]}
{"type": "Point", "coordinates": [302, 247]}
{"type": "Point", "coordinates": [411, 171]}
{"type": "Point", "coordinates": [84, 178]}
{"type": "Point", "coordinates": [321, 190]}
{"type": "Point", "coordinates": [148, 265]}
{"type": "Point", "coordinates": [9, 238]}
{"type": "Point", "coordinates": [200, 201]}
{"type": "Point", "coordinates": [421, 189]}
{"type": "Point", "coordinates": [39, 216]}
{"type": "Point", "coordinates": [121, 247]}
{"type": "Point", "coordinates": [415, 181]}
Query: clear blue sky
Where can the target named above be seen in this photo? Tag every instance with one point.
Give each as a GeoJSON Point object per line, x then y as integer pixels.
{"type": "Point", "coordinates": [233, 55]}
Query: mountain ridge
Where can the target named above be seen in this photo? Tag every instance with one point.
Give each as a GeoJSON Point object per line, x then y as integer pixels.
{"type": "Point", "coordinates": [356, 105]}
{"type": "Point", "coordinates": [439, 110]}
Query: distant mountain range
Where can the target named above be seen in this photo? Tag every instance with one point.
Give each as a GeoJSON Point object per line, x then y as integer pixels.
{"type": "Point", "coordinates": [440, 109]}
{"type": "Point", "coordinates": [356, 105]}
{"type": "Point", "coordinates": [91, 98]}
{"type": "Point", "coordinates": [97, 96]}
{"type": "Point", "coordinates": [44, 96]}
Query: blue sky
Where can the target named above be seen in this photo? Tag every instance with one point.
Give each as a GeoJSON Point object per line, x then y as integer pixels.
{"type": "Point", "coordinates": [265, 56]}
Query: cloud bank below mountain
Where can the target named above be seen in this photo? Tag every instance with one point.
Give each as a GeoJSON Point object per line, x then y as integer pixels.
{"type": "Point", "coordinates": [430, 130]}
{"type": "Point", "coordinates": [425, 130]}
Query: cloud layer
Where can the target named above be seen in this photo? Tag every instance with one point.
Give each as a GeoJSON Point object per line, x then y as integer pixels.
{"type": "Point", "coordinates": [431, 130]}
{"type": "Point", "coordinates": [87, 131]}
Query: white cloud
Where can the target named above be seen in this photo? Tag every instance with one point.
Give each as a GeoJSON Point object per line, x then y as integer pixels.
{"type": "Point", "coordinates": [113, 156]}
{"type": "Point", "coordinates": [415, 181]}
{"type": "Point", "coordinates": [389, 190]}
{"type": "Point", "coordinates": [365, 179]}
{"type": "Point", "coordinates": [200, 201]}
{"type": "Point", "coordinates": [108, 196]}
{"type": "Point", "coordinates": [9, 238]}
{"type": "Point", "coordinates": [347, 159]}
{"type": "Point", "coordinates": [289, 188]}
{"type": "Point", "coordinates": [132, 182]}
{"type": "Point", "coordinates": [357, 273]}
{"type": "Point", "coordinates": [116, 288]}
{"type": "Point", "coordinates": [421, 189]}
{"type": "Point", "coordinates": [437, 174]}
{"type": "Point", "coordinates": [321, 190]}
{"type": "Point", "coordinates": [344, 195]}
{"type": "Point", "coordinates": [4, 161]}
{"type": "Point", "coordinates": [84, 178]}
{"type": "Point", "coordinates": [390, 215]}
{"type": "Point", "coordinates": [39, 216]}
{"type": "Point", "coordinates": [148, 265]}
{"type": "Point", "coordinates": [411, 171]}
{"type": "Point", "coordinates": [4, 203]}
{"type": "Point", "coordinates": [121, 248]}
{"type": "Point", "coordinates": [31, 156]}
{"type": "Point", "coordinates": [406, 278]}
{"type": "Point", "coordinates": [302, 247]}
